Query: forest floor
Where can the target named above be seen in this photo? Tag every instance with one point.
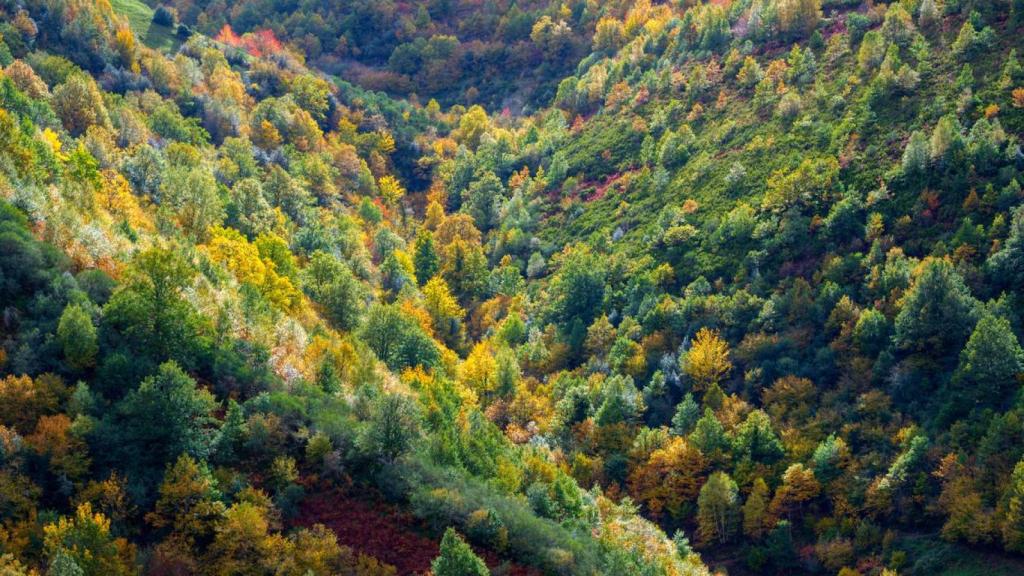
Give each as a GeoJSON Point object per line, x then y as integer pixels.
{"type": "Point", "coordinates": [380, 530]}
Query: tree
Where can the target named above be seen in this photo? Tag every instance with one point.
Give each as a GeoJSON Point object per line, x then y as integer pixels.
{"type": "Point", "coordinates": [243, 544]}
{"type": "Point", "coordinates": [165, 417]}
{"type": "Point", "coordinates": [425, 257]}
{"type": "Point", "coordinates": [149, 316]}
{"type": "Point", "coordinates": [332, 285]}
{"type": "Point", "coordinates": [798, 487]}
{"type": "Point", "coordinates": [482, 200]}
{"type": "Point", "coordinates": [391, 190]}
{"type": "Point", "coordinates": [670, 479]}
{"type": "Point", "coordinates": [472, 126]}
{"type": "Point", "coordinates": [915, 155]}
{"type": "Point", "coordinates": [1007, 265]}
{"type": "Point", "coordinates": [60, 565]}
{"type": "Point", "coordinates": [609, 35]}
{"type": "Point", "coordinates": [445, 312]}
{"type": "Point", "coordinates": [686, 416]}
{"type": "Point", "coordinates": [398, 339]}
{"type": "Point", "coordinates": [231, 437]}
{"type": "Point", "coordinates": [709, 436]}
{"type": "Point", "coordinates": [189, 198]}
{"type": "Point", "coordinates": [457, 558]}
{"type": "Point", "coordinates": [798, 17]}
{"type": "Point", "coordinates": [871, 52]}
{"type": "Point", "coordinates": [928, 15]}
{"type": "Point", "coordinates": [189, 505]}
{"type": "Point", "coordinates": [1013, 524]}
{"type": "Point", "coordinates": [707, 360]}
{"type": "Point", "coordinates": [77, 337]}
{"type": "Point", "coordinates": [391, 428]}
{"type": "Point", "coordinates": [79, 104]}
{"type": "Point", "coordinates": [622, 402]}
{"type": "Point", "coordinates": [250, 211]}
{"type": "Point", "coordinates": [990, 365]}
{"type": "Point", "coordinates": [756, 440]}
{"type": "Point", "coordinates": [717, 509]}
{"type": "Point", "coordinates": [85, 539]}
{"type": "Point", "coordinates": [828, 457]}
{"type": "Point", "coordinates": [938, 312]}
{"type": "Point", "coordinates": [755, 510]}
{"type": "Point", "coordinates": [898, 27]}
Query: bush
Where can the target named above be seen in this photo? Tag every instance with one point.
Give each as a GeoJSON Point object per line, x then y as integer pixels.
{"type": "Point", "coordinates": [165, 16]}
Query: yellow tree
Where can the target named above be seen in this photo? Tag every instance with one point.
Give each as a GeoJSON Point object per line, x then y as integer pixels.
{"type": "Point", "coordinates": [799, 17]}
{"type": "Point", "coordinates": [798, 487]}
{"type": "Point", "coordinates": [479, 371]}
{"type": "Point", "coordinates": [670, 479]}
{"type": "Point", "coordinates": [391, 190]}
{"type": "Point", "coordinates": [87, 541]}
{"type": "Point", "coordinates": [445, 312]}
{"type": "Point", "coordinates": [755, 510]}
{"type": "Point", "coordinates": [707, 360]}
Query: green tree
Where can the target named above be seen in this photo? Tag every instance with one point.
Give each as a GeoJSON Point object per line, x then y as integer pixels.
{"type": "Point", "coordinates": [77, 337]}
{"type": "Point", "coordinates": [915, 155]}
{"type": "Point", "coordinates": [332, 285]}
{"type": "Point", "coordinates": [61, 564]}
{"type": "Point", "coordinates": [189, 198]}
{"type": "Point", "coordinates": [938, 312]}
{"type": "Point", "coordinates": [393, 425]}
{"type": "Point", "coordinates": [167, 416]}
{"type": "Point", "coordinates": [709, 435]}
{"type": "Point", "coordinates": [717, 509]}
{"type": "Point", "coordinates": [425, 257]}
{"type": "Point", "coordinates": [1007, 265]}
{"type": "Point", "coordinates": [990, 364]}
{"type": "Point", "coordinates": [756, 440]}
{"type": "Point", "coordinates": [397, 339]}
{"type": "Point", "coordinates": [577, 292]}
{"type": "Point", "coordinates": [482, 200]}
{"type": "Point", "coordinates": [149, 317]}
{"type": "Point", "coordinates": [457, 558]}
{"type": "Point", "coordinates": [686, 416]}
{"type": "Point", "coordinates": [231, 437]}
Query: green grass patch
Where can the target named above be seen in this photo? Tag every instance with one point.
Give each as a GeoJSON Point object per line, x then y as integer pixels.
{"type": "Point", "coordinates": [140, 19]}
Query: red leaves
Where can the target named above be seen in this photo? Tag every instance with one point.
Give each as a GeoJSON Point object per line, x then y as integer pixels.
{"type": "Point", "coordinates": [381, 531]}
{"type": "Point", "coordinates": [258, 43]}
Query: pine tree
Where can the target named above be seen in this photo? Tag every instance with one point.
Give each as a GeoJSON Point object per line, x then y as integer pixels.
{"type": "Point", "coordinates": [990, 364]}
{"type": "Point", "coordinates": [1007, 265]}
{"type": "Point", "coordinates": [915, 156]}
{"type": "Point", "coordinates": [457, 558]}
{"type": "Point", "coordinates": [938, 312]}
{"type": "Point", "coordinates": [425, 259]}
{"type": "Point", "coordinates": [685, 418]}
{"type": "Point", "coordinates": [756, 440]}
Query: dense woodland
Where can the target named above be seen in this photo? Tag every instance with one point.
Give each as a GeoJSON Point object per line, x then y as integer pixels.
{"type": "Point", "coordinates": [463, 288]}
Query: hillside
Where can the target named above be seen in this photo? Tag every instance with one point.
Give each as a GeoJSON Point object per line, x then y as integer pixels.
{"type": "Point", "coordinates": [453, 287]}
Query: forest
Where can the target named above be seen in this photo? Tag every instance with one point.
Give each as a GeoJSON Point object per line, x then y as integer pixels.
{"type": "Point", "coordinates": [511, 287]}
